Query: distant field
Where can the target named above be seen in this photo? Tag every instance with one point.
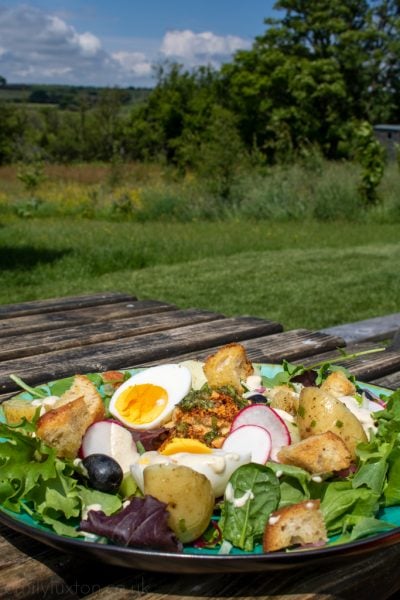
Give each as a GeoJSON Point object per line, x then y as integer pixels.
{"type": "Point", "coordinates": [302, 274]}
{"type": "Point", "coordinates": [44, 95]}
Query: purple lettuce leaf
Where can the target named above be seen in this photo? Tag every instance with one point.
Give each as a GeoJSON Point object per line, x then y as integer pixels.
{"type": "Point", "coordinates": [307, 378]}
{"type": "Point", "coordinates": [142, 523]}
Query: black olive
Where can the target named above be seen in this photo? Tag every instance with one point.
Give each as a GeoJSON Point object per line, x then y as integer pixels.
{"type": "Point", "coordinates": [257, 398]}
{"type": "Point", "coordinates": [104, 472]}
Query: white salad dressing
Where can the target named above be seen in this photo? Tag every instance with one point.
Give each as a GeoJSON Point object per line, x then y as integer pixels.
{"type": "Point", "coordinates": [237, 502]}
{"type": "Point", "coordinates": [45, 403]}
{"type": "Point", "coordinates": [361, 413]}
{"type": "Point", "coordinates": [89, 507]}
{"type": "Point", "coordinates": [253, 382]}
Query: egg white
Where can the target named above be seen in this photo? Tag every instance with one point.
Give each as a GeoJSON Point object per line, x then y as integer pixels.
{"type": "Point", "coordinates": [175, 379]}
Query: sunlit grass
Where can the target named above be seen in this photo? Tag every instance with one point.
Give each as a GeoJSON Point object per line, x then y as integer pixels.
{"type": "Point", "coordinates": [304, 274]}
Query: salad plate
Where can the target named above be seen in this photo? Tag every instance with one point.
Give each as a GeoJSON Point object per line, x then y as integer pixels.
{"type": "Point", "coordinates": [202, 559]}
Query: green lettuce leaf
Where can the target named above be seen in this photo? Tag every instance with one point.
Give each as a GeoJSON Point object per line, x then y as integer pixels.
{"type": "Point", "coordinates": [243, 525]}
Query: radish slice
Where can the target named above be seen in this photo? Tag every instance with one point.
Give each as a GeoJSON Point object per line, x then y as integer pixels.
{"type": "Point", "coordinates": [251, 438]}
{"type": "Point", "coordinates": [264, 416]}
{"type": "Point", "coordinates": [112, 439]}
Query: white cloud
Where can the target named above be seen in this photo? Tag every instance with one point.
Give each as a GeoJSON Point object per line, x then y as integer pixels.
{"type": "Point", "coordinates": [89, 44]}
{"type": "Point", "coordinates": [39, 47]}
{"type": "Point", "coordinates": [133, 62]}
{"type": "Point", "coordinates": [199, 48]}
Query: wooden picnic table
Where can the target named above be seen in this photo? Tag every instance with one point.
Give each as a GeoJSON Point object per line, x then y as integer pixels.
{"type": "Point", "coordinates": [47, 340]}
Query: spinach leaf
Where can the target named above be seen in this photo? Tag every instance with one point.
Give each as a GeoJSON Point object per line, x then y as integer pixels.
{"type": "Point", "coordinates": [252, 494]}
{"type": "Point", "coordinates": [294, 483]}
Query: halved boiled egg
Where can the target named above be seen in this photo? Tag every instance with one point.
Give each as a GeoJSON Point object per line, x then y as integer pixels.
{"type": "Point", "coordinates": [147, 399]}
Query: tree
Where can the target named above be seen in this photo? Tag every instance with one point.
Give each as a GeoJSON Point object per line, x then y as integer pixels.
{"type": "Point", "coordinates": [3, 81]}
{"type": "Point", "coordinates": [311, 74]}
{"type": "Point", "coordinates": [180, 104]}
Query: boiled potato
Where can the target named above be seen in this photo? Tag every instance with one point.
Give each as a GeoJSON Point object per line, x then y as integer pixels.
{"type": "Point", "coordinates": [18, 409]}
{"type": "Point", "coordinates": [320, 411]}
{"type": "Point", "coordinates": [188, 494]}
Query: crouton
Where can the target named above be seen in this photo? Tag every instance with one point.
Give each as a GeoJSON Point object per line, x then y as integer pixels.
{"type": "Point", "coordinates": [228, 367]}
{"type": "Point", "coordinates": [320, 453]}
{"type": "Point", "coordinates": [338, 384]}
{"type": "Point", "coordinates": [298, 524]}
{"type": "Point", "coordinates": [82, 387]}
{"type": "Point", "coordinates": [63, 428]}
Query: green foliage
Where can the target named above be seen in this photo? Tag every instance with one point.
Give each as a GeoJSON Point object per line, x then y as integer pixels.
{"type": "Point", "coordinates": [31, 175]}
{"type": "Point", "coordinates": [371, 156]}
{"type": "Point", "coordinates": [221, 154]}
{"type": "Point", "coordinates": [317, 69]}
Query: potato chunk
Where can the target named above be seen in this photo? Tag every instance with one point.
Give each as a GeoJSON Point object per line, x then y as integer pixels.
{"type": "Point", "coordinates": [189, 497]}
{"type": "Point", "coordinates": [320, 411]}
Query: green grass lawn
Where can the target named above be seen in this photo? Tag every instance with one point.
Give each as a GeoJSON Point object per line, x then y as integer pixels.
{"type": "Point", "coordinates": [303, 274]}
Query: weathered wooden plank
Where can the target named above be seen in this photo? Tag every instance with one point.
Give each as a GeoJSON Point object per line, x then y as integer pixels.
{"type": "Point", "coordinates": [32, 570]}
{"type": "Point", "coordinates": [377, 328]}
{"type": "Point", "coordinates": [81, 335]}
{"type": "Point", "coordinates": [122, 353]}
{"type": "Point", "coordinates": [57, 304]}
{"type": "Point", "coordinates": [376, 576]}
{"type": "Point", "coordinates": [366, 367]}
{"type": "Point", "coordinates": [26, 577]}
{"type": "Point", "coordinates": [289, 345]}
{"type": "Point", "coordinates": [74, 317]}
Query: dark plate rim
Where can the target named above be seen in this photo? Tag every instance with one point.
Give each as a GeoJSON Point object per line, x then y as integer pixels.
{"type": "Point", "coordinates": [190, 562]}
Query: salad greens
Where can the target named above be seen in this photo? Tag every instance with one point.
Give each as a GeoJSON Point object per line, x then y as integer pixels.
{"type": "Point", "coordinates": [54, 493]}
{"type": "Point", "coordinates": [313, 374]}
{"type": "Point", "coordinates": [255, 494]}
{"type": "Point", "coordinates": [350, 504]}
{"type": "Point", "coordinates": [143, 522]}
{"type": "Point", "coordinates": [35, 481]}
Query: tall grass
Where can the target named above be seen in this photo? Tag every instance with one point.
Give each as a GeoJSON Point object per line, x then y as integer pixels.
{"type": "Point", "coordinates": [314, 189]}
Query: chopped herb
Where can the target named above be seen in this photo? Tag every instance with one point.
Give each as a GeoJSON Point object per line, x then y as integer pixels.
{"type": "Point", "coordinates": [202, 398]}
{"type": "Point", "coordinates": [182, 429]}
{"type": "Point", "coordinates": [182, 525]}
{"type": "Point", "coordinates": [301, 412]}
{"type": "Point", "coordinates": [339, 424]}
{"type": "Point", "coordinates": [313, 423]}
{"type": "Point", "coordinates": [210, 436]}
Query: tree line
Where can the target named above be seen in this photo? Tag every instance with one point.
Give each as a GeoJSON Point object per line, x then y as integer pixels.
{"type": "Point", "coordinates": [318, 74]}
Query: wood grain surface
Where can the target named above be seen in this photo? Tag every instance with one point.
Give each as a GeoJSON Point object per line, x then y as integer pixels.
{"type": "Point", "coordinates": [62, 304]}
{"type": "Point", "coordinates": [49, 339]}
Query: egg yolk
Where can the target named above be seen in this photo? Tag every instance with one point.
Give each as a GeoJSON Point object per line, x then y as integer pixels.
{"type": "Point", "coordinates": [185, 445]}
{"type": "Point", "coordinates": [142, 403]}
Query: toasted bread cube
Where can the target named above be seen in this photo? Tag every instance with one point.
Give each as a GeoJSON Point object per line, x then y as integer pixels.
{"type": "Point", "coordinates": [337, 384]}
{"type": "Point", "coordinates": [82, 387]}
{"type": "Point", "coordinates": [63, 428]}
{"type": "Point", "coordinates": [298, 524]}
{"type": "Point", "coordinates": [320, 453]}
{"type": "Point", "coordinates": [228, 367]}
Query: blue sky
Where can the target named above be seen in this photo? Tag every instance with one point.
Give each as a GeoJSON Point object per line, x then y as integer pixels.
{"type": "Point", "coordinates": [116, 42]}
